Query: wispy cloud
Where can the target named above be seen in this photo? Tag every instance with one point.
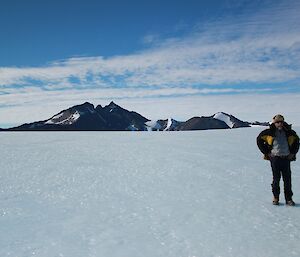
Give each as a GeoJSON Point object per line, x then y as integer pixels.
{"type": "Point", "coordinates": [260, 48]}
{"type": "Point", "coordinates": [38, 97]}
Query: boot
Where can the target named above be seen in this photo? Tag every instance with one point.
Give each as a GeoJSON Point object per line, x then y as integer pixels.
{"type": "Point", "coordinates": [275, 201]}
{"type": "Point", "coordinates": [290, 203]}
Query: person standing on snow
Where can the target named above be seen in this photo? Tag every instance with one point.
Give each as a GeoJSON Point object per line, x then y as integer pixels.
{"type": "Point", "coordinates": [280, 144]}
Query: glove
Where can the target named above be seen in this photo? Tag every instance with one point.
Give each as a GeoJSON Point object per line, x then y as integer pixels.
{"type": "Point", "coordinates": [291, 156]}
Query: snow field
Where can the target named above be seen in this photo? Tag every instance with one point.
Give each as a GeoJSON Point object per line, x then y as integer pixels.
{"type": "Point", "coordinates": [137, 194]}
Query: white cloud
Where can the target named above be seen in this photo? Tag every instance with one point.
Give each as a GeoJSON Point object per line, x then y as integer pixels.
{"type": "Point", "coordinates": [260, 48]}
{"type": "Point", "coordinates": [38, 97]}
{"type": "Point", "coordinates": [249, 107]}
{"type": "Point", "coordinates": [181, 64]}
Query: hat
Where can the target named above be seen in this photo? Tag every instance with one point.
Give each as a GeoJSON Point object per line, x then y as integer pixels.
{"type": "Point", "coordinates": [278, 118]}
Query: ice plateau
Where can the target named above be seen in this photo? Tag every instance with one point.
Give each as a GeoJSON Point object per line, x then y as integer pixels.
{"type": "Point", "coordinates": [124, 194]}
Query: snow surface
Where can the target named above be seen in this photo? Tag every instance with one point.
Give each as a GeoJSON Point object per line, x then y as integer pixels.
{"type": "Point", "coordinates": [223, 117]}
{"type": "Point", "coordinates": [139, 194]}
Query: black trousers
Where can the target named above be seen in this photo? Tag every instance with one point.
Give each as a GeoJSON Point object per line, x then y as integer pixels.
{"type": "Point", "coordinates": [281, 166]}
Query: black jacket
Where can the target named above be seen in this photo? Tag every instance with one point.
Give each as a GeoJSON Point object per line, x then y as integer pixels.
{"type": "Point", "coordinates": [266, 138]}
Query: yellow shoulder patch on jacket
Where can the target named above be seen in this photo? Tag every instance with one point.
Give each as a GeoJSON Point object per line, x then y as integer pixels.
{"type": "Point", "coordinates": [291, 140]}
{"type": "Point", "coordinates": [269, 139]}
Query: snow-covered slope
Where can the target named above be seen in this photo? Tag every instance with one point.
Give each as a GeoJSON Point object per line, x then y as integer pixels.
{"type": "Point", "coordinates": [70, 119]}
{"type": "Point", "coordinates": [223, 117]}
{"type": "Point", "coordinates": [153, 125]}
{"type": "Point", "coordinates": [71, 115]}
{"type": "Point", "coordinates": [121, 194]}
{"type": "Point", "coordinates": [162, 125]}
{"type": "Point", "coordinates": [171, 124]}
{"type": "Point", "coordinates": [230, 120]}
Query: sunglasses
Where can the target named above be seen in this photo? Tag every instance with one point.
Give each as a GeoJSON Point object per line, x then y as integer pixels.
{"type": "Point", "coordinates": [279, 122]}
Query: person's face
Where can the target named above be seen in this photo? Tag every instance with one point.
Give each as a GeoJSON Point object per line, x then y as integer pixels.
{"type": "Point", "coordinates": [279, 124]}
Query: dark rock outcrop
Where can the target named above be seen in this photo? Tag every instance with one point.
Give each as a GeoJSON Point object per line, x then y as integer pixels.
{"type": "Point", "coordinates": [202, 123]}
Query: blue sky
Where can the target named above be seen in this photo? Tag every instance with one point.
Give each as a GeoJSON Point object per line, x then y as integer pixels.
{"type": "Point", "coordinates": [37, 32]}
{"type": "Point", "coordinates": [197, 56]}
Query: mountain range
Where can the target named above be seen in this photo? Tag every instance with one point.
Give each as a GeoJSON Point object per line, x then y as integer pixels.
{"type": "Point", "coordinates": [86, 117]}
